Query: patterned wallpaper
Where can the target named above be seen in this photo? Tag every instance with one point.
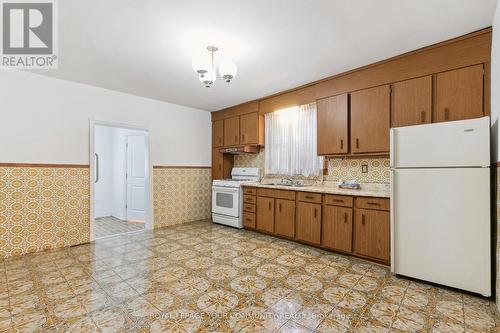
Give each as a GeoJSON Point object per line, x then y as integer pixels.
{"type": "Point", "coordinates": [42, 208]}
{"type": "Point", "coordinates": [338, 169]}
{"type": "Point", "coordinates": [181, 195]}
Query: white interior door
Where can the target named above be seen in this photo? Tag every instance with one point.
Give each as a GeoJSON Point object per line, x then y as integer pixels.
{"type": "Point", "coordinates": [136, 178]}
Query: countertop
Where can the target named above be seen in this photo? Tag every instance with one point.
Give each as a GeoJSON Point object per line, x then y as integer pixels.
{"type": "Point", "coordinates": [367, 190]}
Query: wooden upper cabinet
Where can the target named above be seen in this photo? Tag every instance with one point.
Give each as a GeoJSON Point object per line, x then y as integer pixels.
{"type": "Point", "coordinates": [412, 102]}
{"type": "Point", "coordinates": [284, 221]}
{"type": "Point", "coordinates": [337, 228]}
{"type": "Point", "coordinates": [265, 214]}
{"type": "Point", "coordinates": [218, 133]}
{"type": "Point", "coordinates": [309, 222]}
{"type": "Point", "coordinates": [249, 129]}
{"type": "Point", "coordinates": [333, 125]}
{"type": "Point", "coordinates": [372, 234]}
{"type": "Point", "coordinates": [370, 120]}
{"type": "Point", "coordinates": [459, 94]}
{"type": "Point", "coordinates": [217, 164]}
{"type": "Point", "coordinates": [232, 131]}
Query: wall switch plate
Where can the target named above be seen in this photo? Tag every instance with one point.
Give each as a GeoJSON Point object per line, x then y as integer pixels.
{"type": "Point", "coordinates": [364, 168]}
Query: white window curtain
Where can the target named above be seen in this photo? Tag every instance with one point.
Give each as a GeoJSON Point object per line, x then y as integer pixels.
{"type": "Point", "coordinates": [291, 142]}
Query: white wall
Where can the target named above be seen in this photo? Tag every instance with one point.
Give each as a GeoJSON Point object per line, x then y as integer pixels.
{"type": "Point", "coordinates": [46, 120]}
{"type": "Point", "coordinates": [103, 199]}
{"type": "Point", "coordinates": [495, 85]}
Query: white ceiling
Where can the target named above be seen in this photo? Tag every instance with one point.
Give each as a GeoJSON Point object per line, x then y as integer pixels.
{"type": "Point", "coordinates": [145, 47]}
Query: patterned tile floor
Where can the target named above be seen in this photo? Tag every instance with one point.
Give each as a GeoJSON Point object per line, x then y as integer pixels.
{"type": "Point", "coordinates": [109, 226]}
{"type": "Point", "coordinates": [201, 277]}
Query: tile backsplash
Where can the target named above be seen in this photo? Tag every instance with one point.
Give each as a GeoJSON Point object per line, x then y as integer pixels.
{"type": "Point", "coordinates": [377, 169]}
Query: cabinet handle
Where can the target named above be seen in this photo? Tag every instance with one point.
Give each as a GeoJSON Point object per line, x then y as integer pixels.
{"type": "Point", "coordinates": [280, 206]}
{"type": "Point", "coordinates": [309, 197]}
{"type": "Point", "coordinates": [235, 138]}
{"type": "Point", "coordinates": [446, 114]}
{"type": "Point", "coordinates": [341, 144]}
{"type": "Point", "coordinates": [373, 203]}
{"type": "Point", "coordinates": [363, 219]}
{"type": "Point", "coordinates": [243, 137]}
{"type": "Point", "coordinates": [345, 217]}
{"type": "Point", "coordinates": [357, 143]}
{"type": "Point", "coordinates": [422, 116]}
{"type": "Point", "coordinates": [338, 200]}
{"type": "Point", "coordinates": [315, 213]}
{"type": "Point", "coordinates": [269, 205]}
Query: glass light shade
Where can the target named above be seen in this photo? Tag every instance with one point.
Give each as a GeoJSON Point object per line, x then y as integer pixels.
{"type": "Point", "coordinates": [201, 65]}
{"type": "Point", "coordinates": [227, 70]}
{"type": "Point", "coordinates": [209, 78]}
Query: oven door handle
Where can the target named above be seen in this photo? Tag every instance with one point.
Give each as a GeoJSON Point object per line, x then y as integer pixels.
{"type": "Point", "coordinates": [225, 189]}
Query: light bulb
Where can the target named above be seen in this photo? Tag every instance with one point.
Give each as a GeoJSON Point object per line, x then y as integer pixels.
{"type": "Point", "coordinates": [227, 70]}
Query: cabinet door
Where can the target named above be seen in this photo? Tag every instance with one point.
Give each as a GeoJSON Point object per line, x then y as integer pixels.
{"type": "Point", "coordinates": [284, 223]}
{"type": "Point", "coordinates": [459, 94]}
{"type": "Point", "coordinates": [412, 102]}
{"type": "Point", "coordinates": [372, 234]}
{"type": "Point", "coordinates": [337, 228]}
{"type": "Point", "coordinates": [217, 164]}
{"type": "Point", "coordinates": [265, 214]}
{"type": "Point", "coordinates": [370, 113]}
{"type": "Point", "coordinates": [309, 222]}
{"type": "Point", "coordinates": [232, 131]}
{"type": "Point", "coordinates": [218, 133]}
{"type": "Point", "coordinates": [333, 125]}
{"type": "Point", "coordinates": [249, 128]}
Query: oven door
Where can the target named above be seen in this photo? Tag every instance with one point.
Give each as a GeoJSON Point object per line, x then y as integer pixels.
{"type": "Point", "coordinates": [225, 200]}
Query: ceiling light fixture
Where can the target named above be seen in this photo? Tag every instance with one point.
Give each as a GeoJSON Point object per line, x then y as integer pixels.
{"type": "Point", "coordinates": [209, 72]}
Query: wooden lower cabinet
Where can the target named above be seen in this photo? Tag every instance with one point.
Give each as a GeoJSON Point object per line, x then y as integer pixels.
{"type": "Point", "coordinates": [337, 228]}
{"type": "Point", "coordinates": [372, 234]}
{"type": "Point", "coordinates": [284, 218]}
{"type": "Point", "coordinates": [265, 214]}
{"type": "Point", "coordinates": [249, 220]}
{"type": "Point", "coordinates": [309, 222]}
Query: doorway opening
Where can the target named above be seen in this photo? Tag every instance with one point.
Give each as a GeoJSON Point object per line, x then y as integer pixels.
{"type": "Point", "coordinates": [121, 180]}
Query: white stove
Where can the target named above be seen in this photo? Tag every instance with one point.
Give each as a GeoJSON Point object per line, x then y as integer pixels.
{"type": "Point", "coordinates": [227, 196]}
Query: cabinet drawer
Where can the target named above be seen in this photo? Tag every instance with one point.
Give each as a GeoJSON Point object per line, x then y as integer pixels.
{"type": "Point", "coordinates": [338, 200]}
{"type": "Point", "coordinates": [249, 220]}
{"type": "Point", "coordinates": [248, 207]}
{"type": "Point", "coordinates": [278, 194]}
{"type": "Point", "coordinates": [373, 203]}
{"type": "Point", "coordinates": [249, 190]}
{"type": "Point", "coordinates": [309, 197]}
{"type": "Point", "coordinates": [249, 199]}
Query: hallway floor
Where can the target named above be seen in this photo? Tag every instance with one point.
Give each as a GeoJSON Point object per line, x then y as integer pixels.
{"type": "Point", "coordinates": [109, 226]}
{"type": "Point", "coordinates": [201, 277]}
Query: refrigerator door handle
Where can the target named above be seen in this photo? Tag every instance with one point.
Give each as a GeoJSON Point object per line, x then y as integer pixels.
{"type": "Point", "coordinates": [392, 222]}
{"type": "Point", "coordinates": [392, 134]}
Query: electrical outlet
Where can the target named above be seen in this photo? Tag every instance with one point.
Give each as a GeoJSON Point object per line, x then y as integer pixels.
{"type": "Point", "coordinates": [364, 168]}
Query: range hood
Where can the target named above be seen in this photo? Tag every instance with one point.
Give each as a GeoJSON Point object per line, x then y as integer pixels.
{"type": "Point", "coordinates": [250, 149]}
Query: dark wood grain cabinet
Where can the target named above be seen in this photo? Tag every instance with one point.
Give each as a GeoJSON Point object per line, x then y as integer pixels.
{"type": "Point", "coordinates": [372, 233]}
{"type": "Point", "coordinates": [370, 120]}
{"type": "Point", "coordinates": [232, 131]}
{"type": "Point", "coordinates": [333, 125]}
{"type": "Point", "coordinates": [265, 214]}
{"type": "Point", "coordinates": [459, 94]}
{"type": "Point", "coordinates": [412, 102]}
{"type": "Point", "coordinates": [337, 228]}
{"type": "Point", "coordinates": [309, 222]}
{"type": "Point", "coordinates": [218, 133]}
{"type": "Point", "coordinates": [284, 218]}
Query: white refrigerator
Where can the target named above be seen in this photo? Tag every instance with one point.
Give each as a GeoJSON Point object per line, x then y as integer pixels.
{"type": "Point", "coordinates": [440, 206]}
